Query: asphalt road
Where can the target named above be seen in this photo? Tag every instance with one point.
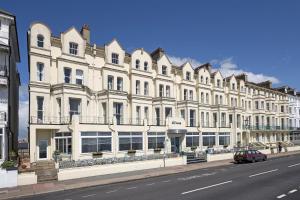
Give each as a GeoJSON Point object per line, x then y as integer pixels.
{"type": "Point", "coordinates": [274, 179]}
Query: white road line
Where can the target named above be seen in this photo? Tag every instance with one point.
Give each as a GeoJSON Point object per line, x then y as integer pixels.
{"type": "Point", "coordinates": [253, 175]}
{"type": "Point", "coordinates": [166, 181]}
{"type": "Point", "coordinates": [292, 191]}
{"type": "Point", "coordinates": [90, 195]}
{"type": "Point", "coordinates": [281, 196]}
{"type": "Point", "coordinates": [150, 184]}
{"type": "Point", "coordinates": [130, 188]}
{"type": "Point", "coordinates": [111, 191]}
{"type": "Point", "coordinates": [294, 165]}
{"type": "Point", "coordinates": [203, 188]}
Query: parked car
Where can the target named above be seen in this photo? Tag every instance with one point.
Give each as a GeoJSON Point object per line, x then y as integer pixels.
{"type": "Point", "coordinates": [249, 156]}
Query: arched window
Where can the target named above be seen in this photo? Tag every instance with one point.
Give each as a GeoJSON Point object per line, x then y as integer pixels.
{"type": "Point", "coordinates": [40, 40]}
{"type": "Point", "coordinates": [201, 79]}
{"type": "Point", "coordinates": [207, 98]}
{"type": "Point", "coordinates": [137, 64]}
{"type": "Point", "coordinates": [206, 81]}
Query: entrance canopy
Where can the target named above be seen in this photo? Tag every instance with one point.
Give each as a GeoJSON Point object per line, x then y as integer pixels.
{"type": "Point", "coordinates": [177, 131]}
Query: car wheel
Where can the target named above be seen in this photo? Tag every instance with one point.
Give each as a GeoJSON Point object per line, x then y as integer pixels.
{"type": "Point", "coordinates": [265, 159]}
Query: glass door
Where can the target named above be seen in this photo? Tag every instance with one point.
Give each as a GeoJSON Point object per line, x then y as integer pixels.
{"type": "Point", "coordinates": [43, 144]}
{"type": "Point", "coordinates": [175, 144]}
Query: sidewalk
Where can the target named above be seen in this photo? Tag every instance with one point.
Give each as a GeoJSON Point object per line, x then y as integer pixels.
{"type": "Point", "coordinates": [41, 188]}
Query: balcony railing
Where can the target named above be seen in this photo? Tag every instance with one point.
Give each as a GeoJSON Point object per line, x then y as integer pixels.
{"type": "Point", "coordinates": [50, 120]}
{"type": "Point", "coordinates": [269, 128]}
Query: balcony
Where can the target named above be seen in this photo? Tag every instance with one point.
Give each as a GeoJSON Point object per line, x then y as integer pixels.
{"type": "Point", "coordinates": [50, 120]}
{"type": "Point", "coordinates": [269, 128]}
{"type": "Point", "coordinates": [3, 71]}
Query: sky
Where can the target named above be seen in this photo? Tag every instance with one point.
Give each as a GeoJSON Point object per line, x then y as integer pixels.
{"type": "Point", "coordinates": [258, 37]}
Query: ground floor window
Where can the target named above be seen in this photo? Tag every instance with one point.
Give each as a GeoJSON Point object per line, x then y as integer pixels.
{"type": "Point", "coordinates": [1, 143]}
{"type": "Point", "coordinates": [130, 141]}
{"type": "Point", "coordinates": [95, 142]}
{"type": "Point", "coordinates": [209, 139]}
{"type": "Point", "coordinates": [156, 140]}
{"type": "Point", "coordinates": [224, 139]}
{"type": "Point", "coordinates": [63, 142]}
{"type": "Point", "coordinates": [192, 139]}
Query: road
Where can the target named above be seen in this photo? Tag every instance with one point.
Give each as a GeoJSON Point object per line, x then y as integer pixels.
{"type": "Point", "coordinates": [274, 179]}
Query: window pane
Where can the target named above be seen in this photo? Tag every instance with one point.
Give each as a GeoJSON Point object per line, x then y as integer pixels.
{"type": "Point", "coordinates": [104, 144]}
{"type": "Point", "coordinates": [137, 143]}
{"type": "Point", "coordinates": [151, 142]}
{"type": "Point", "coordinates": [89, 145]}
{"type": "Point", "coordinates": [124, 144]}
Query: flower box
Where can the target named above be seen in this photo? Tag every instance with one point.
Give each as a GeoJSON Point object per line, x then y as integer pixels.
{"type": "Point", "coordinates": [131, 151]}
{"type": "Point", "coordinates": [97, 154]}
{"type": "Point", "coordinates": [157, 150]}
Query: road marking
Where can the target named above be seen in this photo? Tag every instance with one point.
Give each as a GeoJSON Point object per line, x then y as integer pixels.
{"type": "Point", "coordinates": [292, 191]}
{"type": "Point", "coordinates": [111, 191]}
{"type": "Point", "coordinates": [294, 165]}
{"type": "Point", "coordinates": [281, 196]}
{"type": "Point", "coordinates": [150, 184]}
{"type": "Point", "coordinates": [130, 188]}
{"type": "Point", "coordinates": [90, 195]}
{"type": "Point", "coordinates": [166, 181]}
{"type": "Point", "coordinates": [274, 170]}
{"type": "Point", "coordinates": [203, 188]}
{"type": "Point", "coordinates": [196, 176]}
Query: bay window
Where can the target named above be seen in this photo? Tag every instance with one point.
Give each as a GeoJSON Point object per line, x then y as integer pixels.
{"type": "Point", "coordinates": [224, 139]}
{"type": "Point", "coordinates": [63, 142]}
{"type": "Point", "coordinates": [209, 139]}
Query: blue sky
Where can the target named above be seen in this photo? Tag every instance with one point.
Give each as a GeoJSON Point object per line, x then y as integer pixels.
{"type": "Point", "coordinates": [261, 37]}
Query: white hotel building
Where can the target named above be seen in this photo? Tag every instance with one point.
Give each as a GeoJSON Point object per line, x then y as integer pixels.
{"type": "Point", "coordinates": [86, 98]}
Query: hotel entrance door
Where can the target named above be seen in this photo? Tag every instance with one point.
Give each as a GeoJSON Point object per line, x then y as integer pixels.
{"type": "Point", "coordinates": [175, 144]}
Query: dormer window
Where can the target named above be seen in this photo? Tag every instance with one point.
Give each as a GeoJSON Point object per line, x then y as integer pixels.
{"type": "Point", "coordinates": [218, 83]}
{"type": "Point", "coordinates": [233, 86]}
{"type": "Point", "coordinates": [73, 48]}
{"type": "Point", "coordinates": [137, 64]}
{"type": "Point", "coordinates": [164, 70]}
{"type": "Point", "coordinates": [188, 76]}
{"type": "Point", "coordinates": [40, 41]}
{"type": "Point", "coordinates": [115, 58]}
{"type": "Point", "coordinates": [146, 66]}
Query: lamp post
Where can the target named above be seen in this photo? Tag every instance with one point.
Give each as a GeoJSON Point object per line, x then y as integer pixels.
{"type": "Point", "coordinates": [165, 149]}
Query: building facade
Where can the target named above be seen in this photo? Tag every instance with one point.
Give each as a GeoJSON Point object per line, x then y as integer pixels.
{"type": "Point", "coordinates": [86, 98]}
{"type": "Point", "coordinates": [9, 84]}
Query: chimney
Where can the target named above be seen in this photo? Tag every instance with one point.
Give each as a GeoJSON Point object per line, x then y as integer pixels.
{"type": "Point", "coordinates": [85, 32]}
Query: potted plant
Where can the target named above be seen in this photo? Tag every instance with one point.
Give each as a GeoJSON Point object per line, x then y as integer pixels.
{"type": "Point", "coordinates": [13, 155]}
{"type": "Point", "coordinates": [157, 150]}
{"type": "Point", "coordinates": [131, 151]}
{"type": "Point", "coordinates": [97, 154]}
{"type": "Point", "coordinates": [9, 165]}
{"type": "Point", "coordinates": [56, 154]}
{"type": "Point", "coordinates": [193, 148]}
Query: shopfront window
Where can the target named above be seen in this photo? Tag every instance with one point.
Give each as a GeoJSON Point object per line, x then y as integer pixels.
{"type": "Point", "coordinates": [130, 141]}
{"type": "Point", "coordinates": [63, 142]}
{"type": "Point", "coordinates": [192, 139]}
{"type": "Point", "coordinates": [156, 140]}
{"type": "Point", "coordinates": [95, 142]}
{"type": "Point", "coordinates": [209, 139]}
{"type": "Point", "coordinates": [224, 139]}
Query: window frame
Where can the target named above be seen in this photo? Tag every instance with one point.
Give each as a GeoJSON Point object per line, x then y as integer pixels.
{"type": "Point", "coordinates": [96, 135]}
{"type": "Point", "coordinates": [131, 136]}
{"type": "Point", "coordinates": [40, 73]}
{"type": "Point", "coordinates": [79, 77]}
{"type": "Point", "coordinates": [40, 41]}
{"type": "Point", "coordinates": [73, 48]}
{"type": "Point", "coordinates": [155, 136]}
{"type": "Point", "coordinates": [115, 58]}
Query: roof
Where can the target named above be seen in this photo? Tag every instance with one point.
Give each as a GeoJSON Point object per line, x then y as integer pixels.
{"type": "Point", "coordinates": [6, 13]}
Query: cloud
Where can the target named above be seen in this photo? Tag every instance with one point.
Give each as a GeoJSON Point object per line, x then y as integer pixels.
{"type": "Point", "coordinates": [179, 61]}
{"type": "Point", "coordinates": [23, 111]}
{"type": "Point", "coordinates": [227, 67]}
